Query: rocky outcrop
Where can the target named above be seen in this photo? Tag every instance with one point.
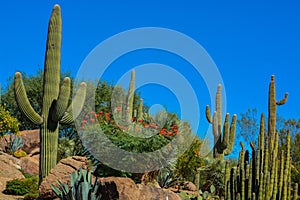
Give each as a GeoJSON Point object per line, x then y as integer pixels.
{"type": "Point", "coordinates": [111, 187]}
{"type": "Point", "coordinates": [31, 139]}
{"type": "Point", "coordinates": [9, 170]}
{"type": "Point", "coordinates": [62, 172]}
{"type": "Point", "coordinates": [30, 165]}
{"type": "Point", "coordinates": [124, 188]}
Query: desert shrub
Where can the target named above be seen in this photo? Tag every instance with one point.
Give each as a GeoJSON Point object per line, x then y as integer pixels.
{"type": "Point", "coordinates": [189, 162]}
{"type": "Point", "coordinates": [20, 153]}
{"type": "Point", "coordinates": [22, 186]}
{"type": "Point", "coordinates": [31, 196]}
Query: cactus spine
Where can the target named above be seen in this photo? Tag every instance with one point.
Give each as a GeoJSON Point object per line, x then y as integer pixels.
{"type": "Point", "coordinates": [56, 109]}
{"type": "Point", "coordinates": [266, 180]}
{"type": "Point", "coordinates": [223, 140]}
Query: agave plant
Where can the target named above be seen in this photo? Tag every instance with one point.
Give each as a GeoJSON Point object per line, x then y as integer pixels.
{"type": "Point", "coordinates": [13, 144]}
{"type": "Point", "coordinates": [81, 188]}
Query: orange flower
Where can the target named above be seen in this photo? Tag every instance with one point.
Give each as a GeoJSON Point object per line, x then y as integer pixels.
{"type": "Point", "coordinates": [107, 114]}
{"type": "Point", "coordinates": [92, 120]}
{"type": "Point", "coordinates": [84, 122]}
{"type": "Point", "coordinates": [146, 125]}
{"type": "Point", "coordinates": [140, 121]}
{"type": "Point", "coordinates": [86, 117]}
{"type": "Point", "coordinates": [163, 131]}
{"type": "Point", "coordinates": [100, 112]}
{"type": "Point", "coordinates": [170, 133]}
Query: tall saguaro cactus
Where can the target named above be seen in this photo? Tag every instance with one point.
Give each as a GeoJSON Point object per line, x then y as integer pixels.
{"type": "Point", "coordinates": [272, 107]}
{"type": "Point", "coordinates": [223, 139]}
{"type": "Point", "coordinates": [56, 109]}
{"type": "Point", "coordinates": [130, 97]}
{"type": "Point", "coordinates": [269, 172]}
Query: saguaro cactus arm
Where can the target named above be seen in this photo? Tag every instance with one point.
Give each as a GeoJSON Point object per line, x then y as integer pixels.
{"type": "Point", "coordinates": [77, 102]}
{"type": "Point", "coordinates": [284, 100]}
{"type": "Point", "coordinates": [231, 138]}
{"type": "Point", "coordinates": [62, 100]}
{"type": "Point", "coordinates": [23, 102]}
{"type": "Point", "coordinates": [208, 116]}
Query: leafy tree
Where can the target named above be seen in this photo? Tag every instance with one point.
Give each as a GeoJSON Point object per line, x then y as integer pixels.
{"type": "Point", "coordinates": [248, 126]}
{"type": "Point", "coordinates": [8, 124]}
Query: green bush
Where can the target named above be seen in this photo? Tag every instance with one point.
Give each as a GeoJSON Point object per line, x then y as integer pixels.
{"type": "Point", "coordinates": [20, 153]}
{"type": "Point", "coordinates": [31, 196]}
{"type": "Point", "coordinates": [22, 186]}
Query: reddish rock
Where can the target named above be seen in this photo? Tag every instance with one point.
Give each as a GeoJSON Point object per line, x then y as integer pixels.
{"type": "Point", "coordinates": [10, 160]}
{"type": "Point", "coordinates": [124, 188]}
{"type": "Point", "coordinates": [8, 171]}
{"type": "Point", "coordinates": [112, 188]}
{"type": "Point", "coordinates": [187, 185]}
{"type": "Point", "coordinates": [30, 165]}
{"type": "Point", "coordinates": [119, 188]}
{"type": "Point", "coordinates": [153, 193]}
{"type": "Point", "coordinates": [31, 139]}
{"type": "Point", "coordinates": [62, 172]}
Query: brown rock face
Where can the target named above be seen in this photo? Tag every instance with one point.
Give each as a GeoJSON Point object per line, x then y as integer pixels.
{"type": "Point", "coordinates": [31, 139]}
{"type": "Point", "coordinates": [8, 171]}
{"type": "Point", "coordinates": [112, 188]}
{"type": "Point", "coordinates": [124, 188]}
{"type": "Point", "coordinates": [30, 165]}
{"type": "Point", "coordinates": [62, 172]}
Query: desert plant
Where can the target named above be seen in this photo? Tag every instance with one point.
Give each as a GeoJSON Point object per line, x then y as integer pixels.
{"type": "Point", "coordinates": [14, 143]}
{"type": "Point", "coordinates": [8, 124]}
{"type": "Point", "coordinates": [20, 153]}
{"type": "Point", "coordinates": [223, 139]}
{"type": "Point", "coordinates": [267, 175]}
{"type": "Point", "coordinates": [22, 186]}
{"type": "Point", "coordinates": [66, 148]}
{"type": "Point", "coordinates": [56, 109]}
{"type": "Point", "coordinates": [81, 187]}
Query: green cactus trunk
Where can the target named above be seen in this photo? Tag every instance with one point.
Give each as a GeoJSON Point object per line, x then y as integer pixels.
{"type": "Point", "coordinates": [130, 97]}
{"type": "Point", "coordinates": [223, 139]}
{"type": "Point", "coordinates": [269, 182]}
{"type": "Point", "coordinates": [56, 108]}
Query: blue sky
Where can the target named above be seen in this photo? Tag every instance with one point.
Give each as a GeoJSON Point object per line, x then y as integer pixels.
{"type": "Point", "coordinates": [248, 41]}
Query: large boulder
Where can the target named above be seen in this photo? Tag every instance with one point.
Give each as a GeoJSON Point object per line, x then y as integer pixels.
{"type": "Point", "coordinates": [111, 187]}
{"type": "Point", "coordinates": [124, 188]}
{"type": "Point", "coordinates": [62, 172]}
{"type": "Point", "coordinates": [9, 170]}
{"type": "Point", "coordinates": [31, 139]}
{"type": "Point", "coordinates": [30, 165]}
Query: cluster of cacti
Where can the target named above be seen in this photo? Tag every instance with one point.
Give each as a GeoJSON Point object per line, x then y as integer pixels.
{"type": "Point", "coordinates": [123, 104]}
{"type": "Point", "coordinates": [267, 175]}
{"type": "Point", "coordinates": [223, 137]}
{"type": "Point", "coordinates": [81, 187]}
{"type": "Point", "coordinates": [56, 109]}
